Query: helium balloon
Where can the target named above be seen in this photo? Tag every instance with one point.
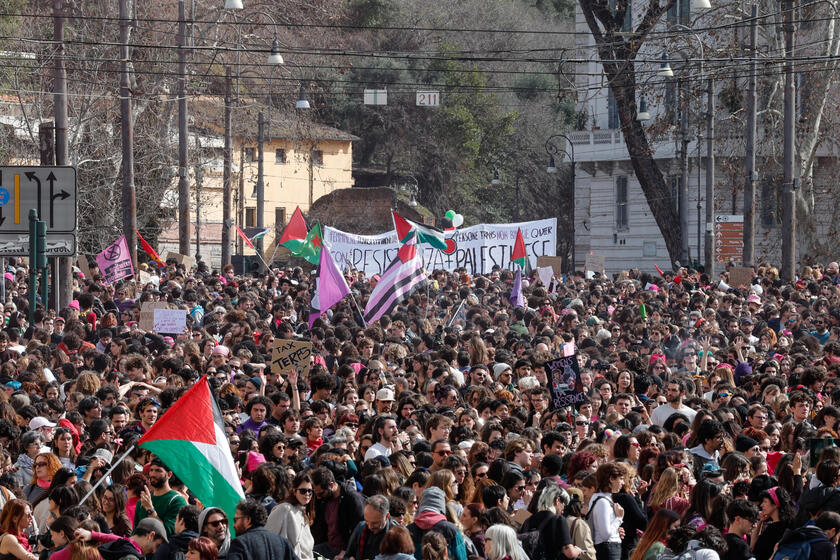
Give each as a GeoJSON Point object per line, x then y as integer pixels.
{"type": "Point", "coordinates": [458, 220]}
{"type": "Point", "coordinates": [450, 214]}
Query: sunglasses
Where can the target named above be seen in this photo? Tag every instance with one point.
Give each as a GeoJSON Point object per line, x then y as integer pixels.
{"type": "Point", "coordinates": [217, 523]}
{"type": "Point", "coordinates": [581, 423]}
{"type": "Point", "coordinates": [40, 464]}
{"type": "Point", "coordinates": [305, 491]}
{"type": "Point", "coordinates": [352, 424]}
{"type": "Point", "coordinates": [481, 475]}
{"type": "Point", "coordinates": [443, 453]}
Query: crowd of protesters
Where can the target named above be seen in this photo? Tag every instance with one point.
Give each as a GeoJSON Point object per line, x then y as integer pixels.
{"type": "Point", "coordinates": [706, 424]}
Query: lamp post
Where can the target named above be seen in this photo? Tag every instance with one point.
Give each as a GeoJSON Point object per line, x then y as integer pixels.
{"type": "Point", "coordinates": [552, 149]}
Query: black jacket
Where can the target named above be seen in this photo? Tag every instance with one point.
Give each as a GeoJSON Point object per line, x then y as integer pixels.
{"type": "Point", "coordinates": [259, 543]}
{"type": "Point", "coordinates": [815, 501]}
{"type": "Point", "coordinates": [821, 549]}
{"type": "Point", "coordinates": [351, 510]}
{"type": "Point", "coordinates": [177, 543]}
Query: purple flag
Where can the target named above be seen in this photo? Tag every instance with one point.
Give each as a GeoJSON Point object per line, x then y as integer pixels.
{"type": "Point", "coordinates": [114, 261]}
{"type": "Point", "coordinates": [330, 286]}
{"type": "Point", "coordinates": [516, 297]}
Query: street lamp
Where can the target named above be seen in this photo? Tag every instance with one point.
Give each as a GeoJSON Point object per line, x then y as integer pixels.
{"type": "Point", "coordinates": [495, 181]}
{"type": "Point", "coordinates": [552, 149]}
{"type": "Point", "coordinates": [302, 103]}
{"type": "Point", "coordinates": [665, 68]}
{"type": "Point", "coordinates": [643, 114]}
{"type": "Point", "coordinates": [233, 5]}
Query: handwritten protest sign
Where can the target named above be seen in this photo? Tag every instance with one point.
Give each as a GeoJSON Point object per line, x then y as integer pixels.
{"type": "Point", "coordinates": [144, 277]}
{"type": "Point", "coordinates": [595, 263]}
{"type": "Point", "coordinates": [115, 261]}
{"type": "Point", "coordinates": [564, 382]}
{"type": "Point", "coordinates": [290, 354]}
{"type": "Point", "coordinates": [185, 260]}
{"type": "Point", "coordinates": [556, 263]}
{"type": "Point", "coordinates": [147, 313]}
{"type": "Point", "coordinates": [740, 276]}
{"type": "Point", "coordinates": [169, 321]}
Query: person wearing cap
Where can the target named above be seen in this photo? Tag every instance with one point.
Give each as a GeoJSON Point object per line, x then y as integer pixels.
{"type": "Point", "coordinates": [161, 502]}
{"type": "Point", "coordinates": [253, 541]}
{"type": "Point", "coordinates": [504, 375]}
{"type": "Point", "coordinates": [147, 536]}
{"type": "Point", "coordinates": [431, 516]}
{"type": "Point", "coordinates": [44, 427]}
{"type": "Point", "coordinates": [386, 437]}
{"type": "Point", "coordinates": [384, 400]}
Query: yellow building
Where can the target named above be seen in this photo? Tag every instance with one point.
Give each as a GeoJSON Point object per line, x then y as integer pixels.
{"type": "Point", "coordinates": [303, 161]}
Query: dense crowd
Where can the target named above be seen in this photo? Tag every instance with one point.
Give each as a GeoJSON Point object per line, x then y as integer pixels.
{"type": "Point", "coordinates": [706, 426]}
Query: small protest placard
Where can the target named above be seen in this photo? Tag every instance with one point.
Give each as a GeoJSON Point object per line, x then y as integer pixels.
{"type": "Point", "coordinates": [741, 276]}
{"type": "Point", "coordinates": [556, 263]}
{"type": "Point", "coordinates": [114, 261]}
{"type": "Point", "coordinates": [290, 354]}
{"type": "Point", "coordinates": [564, 382]}
{"type": "Point", "coordinates": [185, 260]}
{"type": "Point", "coordinates": [147, 313]}
{"type": "Point", "coordinates": [545, 274]}
{"type": "Point", "coordinates": [144, 277]}
{"type": "Point", "coordinates": [169, 321]}
{"type": "Point", "coordinates": [595, 263]}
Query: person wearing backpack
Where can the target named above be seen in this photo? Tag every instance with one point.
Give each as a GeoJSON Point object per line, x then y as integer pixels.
{"type": "Point", "coordinates": [431, 517]}
{"type": "Point", "coordinates": [545, 535]}
{"type": "Point", "coordinates": [811, 542]}
{"type": "Point", "coordinates": [605, 516]}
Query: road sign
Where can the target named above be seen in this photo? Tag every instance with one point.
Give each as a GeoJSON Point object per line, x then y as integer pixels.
{"type": "Point", "coordinates": [729, 237]}
{"type": "Point", "coordinates": [50, 190]}
{"type": "Point", "coordinates": [17, 244]}
{"type": "Point", "coordinates": [428, 99]}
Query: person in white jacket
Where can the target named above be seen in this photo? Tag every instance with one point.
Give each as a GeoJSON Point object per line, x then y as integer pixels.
{"type": "Point", "coordinates": [605, 516]}
{"type": "Point", "coordinates": [292, 518]}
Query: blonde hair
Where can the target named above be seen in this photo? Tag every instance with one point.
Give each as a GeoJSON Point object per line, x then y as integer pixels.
{"type": "Point", "coordinates": [667, 487]}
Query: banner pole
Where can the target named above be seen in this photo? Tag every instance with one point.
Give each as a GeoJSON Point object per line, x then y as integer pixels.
{"type": "Point", "coordinates": [104, 476]}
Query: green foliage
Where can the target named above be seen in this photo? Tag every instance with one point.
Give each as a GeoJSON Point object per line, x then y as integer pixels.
{"type": "Point", "coordinates": [369, 13]}
{"type": "Point", "coordinates": [532, 86]}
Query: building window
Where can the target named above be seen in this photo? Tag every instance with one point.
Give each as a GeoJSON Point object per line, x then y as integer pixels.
{"type": "Point", "coordinates": [621, 217]}
{"type": "Point", "coordinates": [279, 218]}
{"type": "Point", "coordinates": [279, 155]}
{"type": "Point", "coordinates": [250, 154]}
{"type": "Point", "coordinates": [613, 122]}
{"type": "Point", "coordinates": [250, 217]}
{"type": "Point", "coordinates": [317, 157]}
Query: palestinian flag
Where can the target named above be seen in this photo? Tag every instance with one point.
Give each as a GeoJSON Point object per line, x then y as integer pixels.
{"type": "Point", "coordinates": [294, 233]}
{"type": "Point", "coordinates": [256, 233]}
{"type": "Point", "coordinates": [519, 256]}
{"type": "Point", "coordinates": [244, 237]}
{"type": "Point", "coordinates": [425, 234]}
{"type": "Point", "coordinates": [190, 439]}
{"type": "Point", "coordinates": [403, 277]}
{"type": "Point", "coordinates": [311, 247]}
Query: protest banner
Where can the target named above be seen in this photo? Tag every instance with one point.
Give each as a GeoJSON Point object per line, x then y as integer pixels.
{"type": "Point", "coordinates": [169, 321]}
{"type": "Point", "coordinates": [290, 354]}
{"type": "Point", "coordinates": [147, 313]}
{"type": "Point", "coordinates": [478, 248]}
{"type": "Point", "coordinates": [741, 276]}
{"type": "Point", "coordinates": [564, 382]}
{"type": "Point", "coordinates": [114, 261]}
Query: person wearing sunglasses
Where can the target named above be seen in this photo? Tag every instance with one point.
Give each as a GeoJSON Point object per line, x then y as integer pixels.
{"type": "Point", "coordinates": [213, 524]}
{"type": "Point", "coordinates": [440, 451]}
{"type": "Point", "coordinates": [292, 517]}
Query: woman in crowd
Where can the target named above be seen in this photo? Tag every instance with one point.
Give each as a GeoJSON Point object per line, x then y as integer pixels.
{"type": "Point", "coordinates": [292, 517]}
{"type": "Point", "coordinates": [776, 515]}
{"type": "Point", "coordinates": [15, 519]}
{"type": "Point", "coordinates": [652, 542]}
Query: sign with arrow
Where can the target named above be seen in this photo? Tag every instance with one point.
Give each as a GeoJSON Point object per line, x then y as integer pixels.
{"type": "Point", "coordinates": [49, 190]}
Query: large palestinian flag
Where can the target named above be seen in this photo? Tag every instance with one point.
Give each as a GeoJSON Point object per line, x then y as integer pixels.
{"type": "Point", "coordinates": [425, 234]}
{"type": "Point", "coordinates": [190, 439]}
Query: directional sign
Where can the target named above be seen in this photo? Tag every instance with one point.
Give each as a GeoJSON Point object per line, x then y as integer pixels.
{"type": "Point", "coordinates": [17, 244]}
{"type": "Point", "coordinates": [729, 237]}
{"type": "Point", "coordinates": [50, 190]}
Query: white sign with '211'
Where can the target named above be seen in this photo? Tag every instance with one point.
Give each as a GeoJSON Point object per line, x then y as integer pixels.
{"type": "Point", "coordinates": [428, 98]}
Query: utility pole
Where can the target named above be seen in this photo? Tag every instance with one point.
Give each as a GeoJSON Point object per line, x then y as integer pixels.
{"type": "Point", "coordinates": [183, 175]}
{"type": "Point", "coordinates": [683, 194]}
{"type": "Point", "coordinates": [227, 177]}
{"type": "Point", "coordinates": [260, 182]}
{"type": "Point", "coordinates": [749, 156]}
{"type": "Point", "coordinates": [709, 240]}
{"type": "Point", "coordinates": [129, 199]}
{"type": "Point", "coordinates": [788, 199]}
{"type": "Point", "coordinates": [64, 268]}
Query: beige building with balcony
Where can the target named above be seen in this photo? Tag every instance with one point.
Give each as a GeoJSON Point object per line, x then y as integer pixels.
{"type": "Point", "coordinates": [303, 161]}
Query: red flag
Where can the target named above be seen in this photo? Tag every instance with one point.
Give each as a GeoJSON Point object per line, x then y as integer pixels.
{"type": "Point", "coordinates": [659, 270]}
{"type": "Point", "coordinates": [245, 237]}
{"type": "Point", "coordinates": [150, 250]}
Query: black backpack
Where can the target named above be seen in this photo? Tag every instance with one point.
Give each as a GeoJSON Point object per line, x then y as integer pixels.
{"type": "Point", "coordinates": [532, 541]}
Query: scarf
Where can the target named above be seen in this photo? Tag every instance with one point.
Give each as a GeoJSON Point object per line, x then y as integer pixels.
{"type": "Point", "coordinates": [45, 484]}
{"type": "Point", "coordinates": [24, 541]}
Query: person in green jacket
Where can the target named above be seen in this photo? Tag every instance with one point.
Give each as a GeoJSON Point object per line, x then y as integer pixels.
{"type": "Point", "coordinates": [652, 544]}
{"type": "Point", "coordinates": [161, 502]}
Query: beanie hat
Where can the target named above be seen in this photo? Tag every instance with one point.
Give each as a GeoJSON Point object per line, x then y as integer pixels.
{"type": "Point", "coordinates": [744, 443]}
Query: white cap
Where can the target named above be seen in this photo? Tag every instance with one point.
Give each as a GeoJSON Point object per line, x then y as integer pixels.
{"type": "Point", "coordinates": [40, 422]}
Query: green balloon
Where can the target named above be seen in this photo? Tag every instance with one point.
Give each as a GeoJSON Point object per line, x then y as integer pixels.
{"type": "Point", "coordinates": [450, 214]}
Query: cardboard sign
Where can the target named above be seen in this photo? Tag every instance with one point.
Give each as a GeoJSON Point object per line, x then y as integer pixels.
{"type": "Point", "coordinates": [185, 260]}
{"type": "Point", "coordinates": [169, 321]}
{"type": "Point", "coordinates": [144, 277]}
{"type": "Point", "coordinates": [147, 313]}
{"type": "Point", "coordinates": [595, 263]}
{"type": "Point", "coordinates": [564, 382]}
{"type": "Point", "coordinates": [290, 354]}
{"type": "Point", "coordinates": [556, 263]}
{"type": "Point", "coordinates": [741, 276]}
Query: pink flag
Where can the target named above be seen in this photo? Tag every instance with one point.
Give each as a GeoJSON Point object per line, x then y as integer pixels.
{"type": "Point", "coordinates": [330, 287]}
{"type": "Point", "coordinates": [115, 261]}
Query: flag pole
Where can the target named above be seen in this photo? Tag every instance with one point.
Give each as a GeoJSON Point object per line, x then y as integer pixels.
{"type": "Point", "coordinates": [104, 476]}
{"type": "Point", "coordinates": [356, 303]}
